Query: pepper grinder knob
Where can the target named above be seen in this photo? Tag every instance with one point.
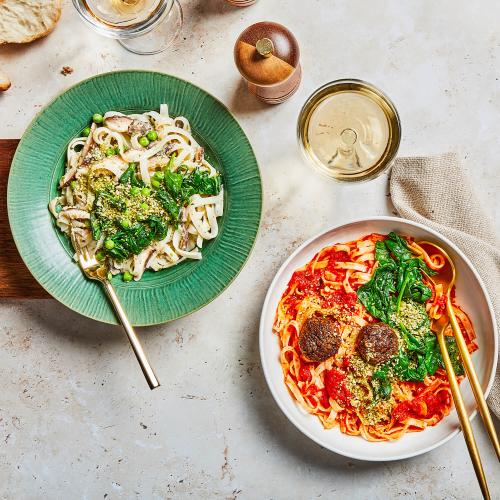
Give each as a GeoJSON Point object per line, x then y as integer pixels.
{"type": "Point", "coordinates": [265, 47]}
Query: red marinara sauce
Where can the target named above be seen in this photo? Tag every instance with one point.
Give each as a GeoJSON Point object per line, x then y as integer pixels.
{"type": "Point", "coordinates": [334, 257]}
{"type": "Point", "coordinates": [307, 281]}
{"type": "Point", "coordinates": [415, 409]}
{"type": "Point", "coordinates": [336, 388]}
{"type": "Point", "coordinates": [323, 398]}
{"type": "Point", "coordinates": [341, 298]}
{"type": "Point", "coordinates": [304, 373]}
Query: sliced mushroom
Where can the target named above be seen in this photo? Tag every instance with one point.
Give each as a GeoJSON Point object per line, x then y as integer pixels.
{"type": "Point", "coordinates": [199, 155]}
{"type": "Point", "coordinates": [118, 123]}
{"type": "Point", "coordinates": [68, 177]}
{"type": "Point", "coordinates": [67, 217]}
{"type": "Point", "coordinates": [82, 236]}
{"type": "Point", "coordinates": [69, 196]}
{"type": "Point", "coordinates": [183, 215]}
{"type": "Point", "coordinates": [90, 140]}
{"type": "Point", "coordinates": [140, 262]}
{"type": "Point", "coordinates": [70, 174]}
{"type": "Point", "coordinates": [78, 223]}
{"type": "Point", "coordinates": [139, 127]}
{"type": "Point", "coordinates": [94, 153]}
{"type": "Point", "coordinates": [184, 237]}
{"type": "Point", "coordinates": [80, 198]}
{"type": "Point", "coordinates": [74, 213]}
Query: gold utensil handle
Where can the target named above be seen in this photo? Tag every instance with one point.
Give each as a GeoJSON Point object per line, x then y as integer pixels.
{"type": "Point", "coordinates": [464, 419]}
{"type": "Point", "coordinates": [472, 376]}
{"type": "Point", "coordinates": [132, 337]}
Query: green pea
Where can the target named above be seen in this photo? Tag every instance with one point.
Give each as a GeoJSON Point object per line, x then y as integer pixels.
{"type": "Point", "coordinates": [109, 276]}
{"type": "Point", "coordinates": [97, 118]}
{"type": "Point", "coordinates": [144, 141]}
{"type": "Point", "coordinates": [152, 135]}
{"type": "Point", "coordinates": [125, 223]}
{"type": "Point", "coordinates": [155, 183]}
{"type": "Point", "coordinates": [127, 276]}
{"type": "Point", "coordinates": [110, 151]}
{"type": "Point", "coordinates": [86, 132]}
{"type": "Point", "coordinates": [109, 244]}
{"type": "Point", "coordinates": [72, 185]}
{"type": "Point", "coordinates": [159, 175]}
{"type": "Point", "coordinates": [100, 255]}
{"type": "Point", "coordinates": [145, 191]}
{"type": "Point", "coordinates": [144, 206]}
{"type": "Point", "coordinates": [134, 191]}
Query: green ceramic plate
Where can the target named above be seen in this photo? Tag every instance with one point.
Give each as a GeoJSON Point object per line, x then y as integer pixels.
{"type": "Point", "coordinates": [39, 162]}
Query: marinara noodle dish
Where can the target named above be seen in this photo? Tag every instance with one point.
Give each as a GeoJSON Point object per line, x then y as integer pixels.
{"type": "Point", "coordinates": [356, 337]}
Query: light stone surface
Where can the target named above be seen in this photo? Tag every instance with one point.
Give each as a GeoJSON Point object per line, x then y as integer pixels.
{"type": "Point", "coordinates": [76, 418]}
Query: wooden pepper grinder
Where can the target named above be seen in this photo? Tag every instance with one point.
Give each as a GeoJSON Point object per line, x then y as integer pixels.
{"type": "Point", "coordinates": [267, 56]}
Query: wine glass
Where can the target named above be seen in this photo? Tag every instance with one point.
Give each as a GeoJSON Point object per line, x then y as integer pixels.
{"type": "Point", "coordinates": [349, 130]}
{"type": "Point", "coordinates": [242, 3]}
{"type": "Point", "coordinates": [141, 26]}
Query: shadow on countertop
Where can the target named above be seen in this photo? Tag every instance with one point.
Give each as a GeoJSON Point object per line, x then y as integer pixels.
{"type": "Point", "coordinates": [212, 7]}
{"type": "Point", "coordinates": [244, 102]}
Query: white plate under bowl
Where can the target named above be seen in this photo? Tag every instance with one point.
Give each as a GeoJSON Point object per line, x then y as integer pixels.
{"type": "Point", "coordinates": [471, 294]}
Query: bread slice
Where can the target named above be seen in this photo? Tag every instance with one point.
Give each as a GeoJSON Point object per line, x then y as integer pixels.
{"type": "Point", "coordinates": [4, 81]}
{"type": "Point", "coordinates": [22, 21]}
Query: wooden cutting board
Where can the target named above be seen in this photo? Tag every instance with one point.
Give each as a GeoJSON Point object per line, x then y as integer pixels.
{"type": "Point", "coordinates": [16, 281]}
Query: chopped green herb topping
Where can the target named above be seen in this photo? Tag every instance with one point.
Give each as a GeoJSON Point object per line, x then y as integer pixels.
{"type": "Point", "coordinates": [395, 294]}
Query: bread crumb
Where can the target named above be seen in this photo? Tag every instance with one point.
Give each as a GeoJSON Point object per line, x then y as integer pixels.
{"type": "Point", "coordinates": [66, 70]}
{"type": "Point", "coordinates": [4, 82]}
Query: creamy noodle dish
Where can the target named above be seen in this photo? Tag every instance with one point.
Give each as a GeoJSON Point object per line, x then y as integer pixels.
{"type": "Point", "coordinates": [138, 193]}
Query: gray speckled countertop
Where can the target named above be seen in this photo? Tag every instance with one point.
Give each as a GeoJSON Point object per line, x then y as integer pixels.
{"type": "Point", "coordinates": [76, 418]}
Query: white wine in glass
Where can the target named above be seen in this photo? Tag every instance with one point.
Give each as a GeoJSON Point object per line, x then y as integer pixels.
{"type": "Point", "coordinates": [141, 26]}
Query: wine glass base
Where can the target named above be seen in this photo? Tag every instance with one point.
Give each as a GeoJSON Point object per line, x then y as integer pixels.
{"type": "Point", "coordinates": [160, 37]}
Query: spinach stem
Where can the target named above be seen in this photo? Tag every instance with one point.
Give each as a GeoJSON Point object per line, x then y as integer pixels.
{"type": "Point", "coordinates": [400, 296]}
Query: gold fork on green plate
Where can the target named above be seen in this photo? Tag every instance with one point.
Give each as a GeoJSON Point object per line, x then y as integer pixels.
{"type": "Point", "coordinates": [95, 270]}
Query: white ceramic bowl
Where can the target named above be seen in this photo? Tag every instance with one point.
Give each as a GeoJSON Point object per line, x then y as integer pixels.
{"type": "Point", "coordinates": [471, 294]}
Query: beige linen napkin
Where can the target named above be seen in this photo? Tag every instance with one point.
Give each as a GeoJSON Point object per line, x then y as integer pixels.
{"type": "Point", "coordinates": [436, 191]}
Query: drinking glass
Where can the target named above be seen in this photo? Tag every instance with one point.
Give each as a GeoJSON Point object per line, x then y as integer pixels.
{"type": "Point", "coordinates": [242, 3]}
{"type": "Point", "coordinates": [349, 130]}
{"type": "Point", "coordinates": [141, 26]}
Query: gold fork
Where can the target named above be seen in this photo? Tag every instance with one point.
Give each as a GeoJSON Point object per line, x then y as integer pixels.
{"type": "Point", "coordinates": [439, 327]}
{"type": "Point", "coordinates": [95, 270]}
{"type": "Point", "coordinates": [448, 280]}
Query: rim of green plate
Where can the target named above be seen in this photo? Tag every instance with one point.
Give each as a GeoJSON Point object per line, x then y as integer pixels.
{"type": "Point", "coordinates": [48, 275]}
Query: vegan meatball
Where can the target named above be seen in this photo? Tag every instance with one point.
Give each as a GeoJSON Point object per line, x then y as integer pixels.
{"type": "Point", "coordinates": [377, 343]}
{"type": "Point", "coordinates": [319, 338]}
